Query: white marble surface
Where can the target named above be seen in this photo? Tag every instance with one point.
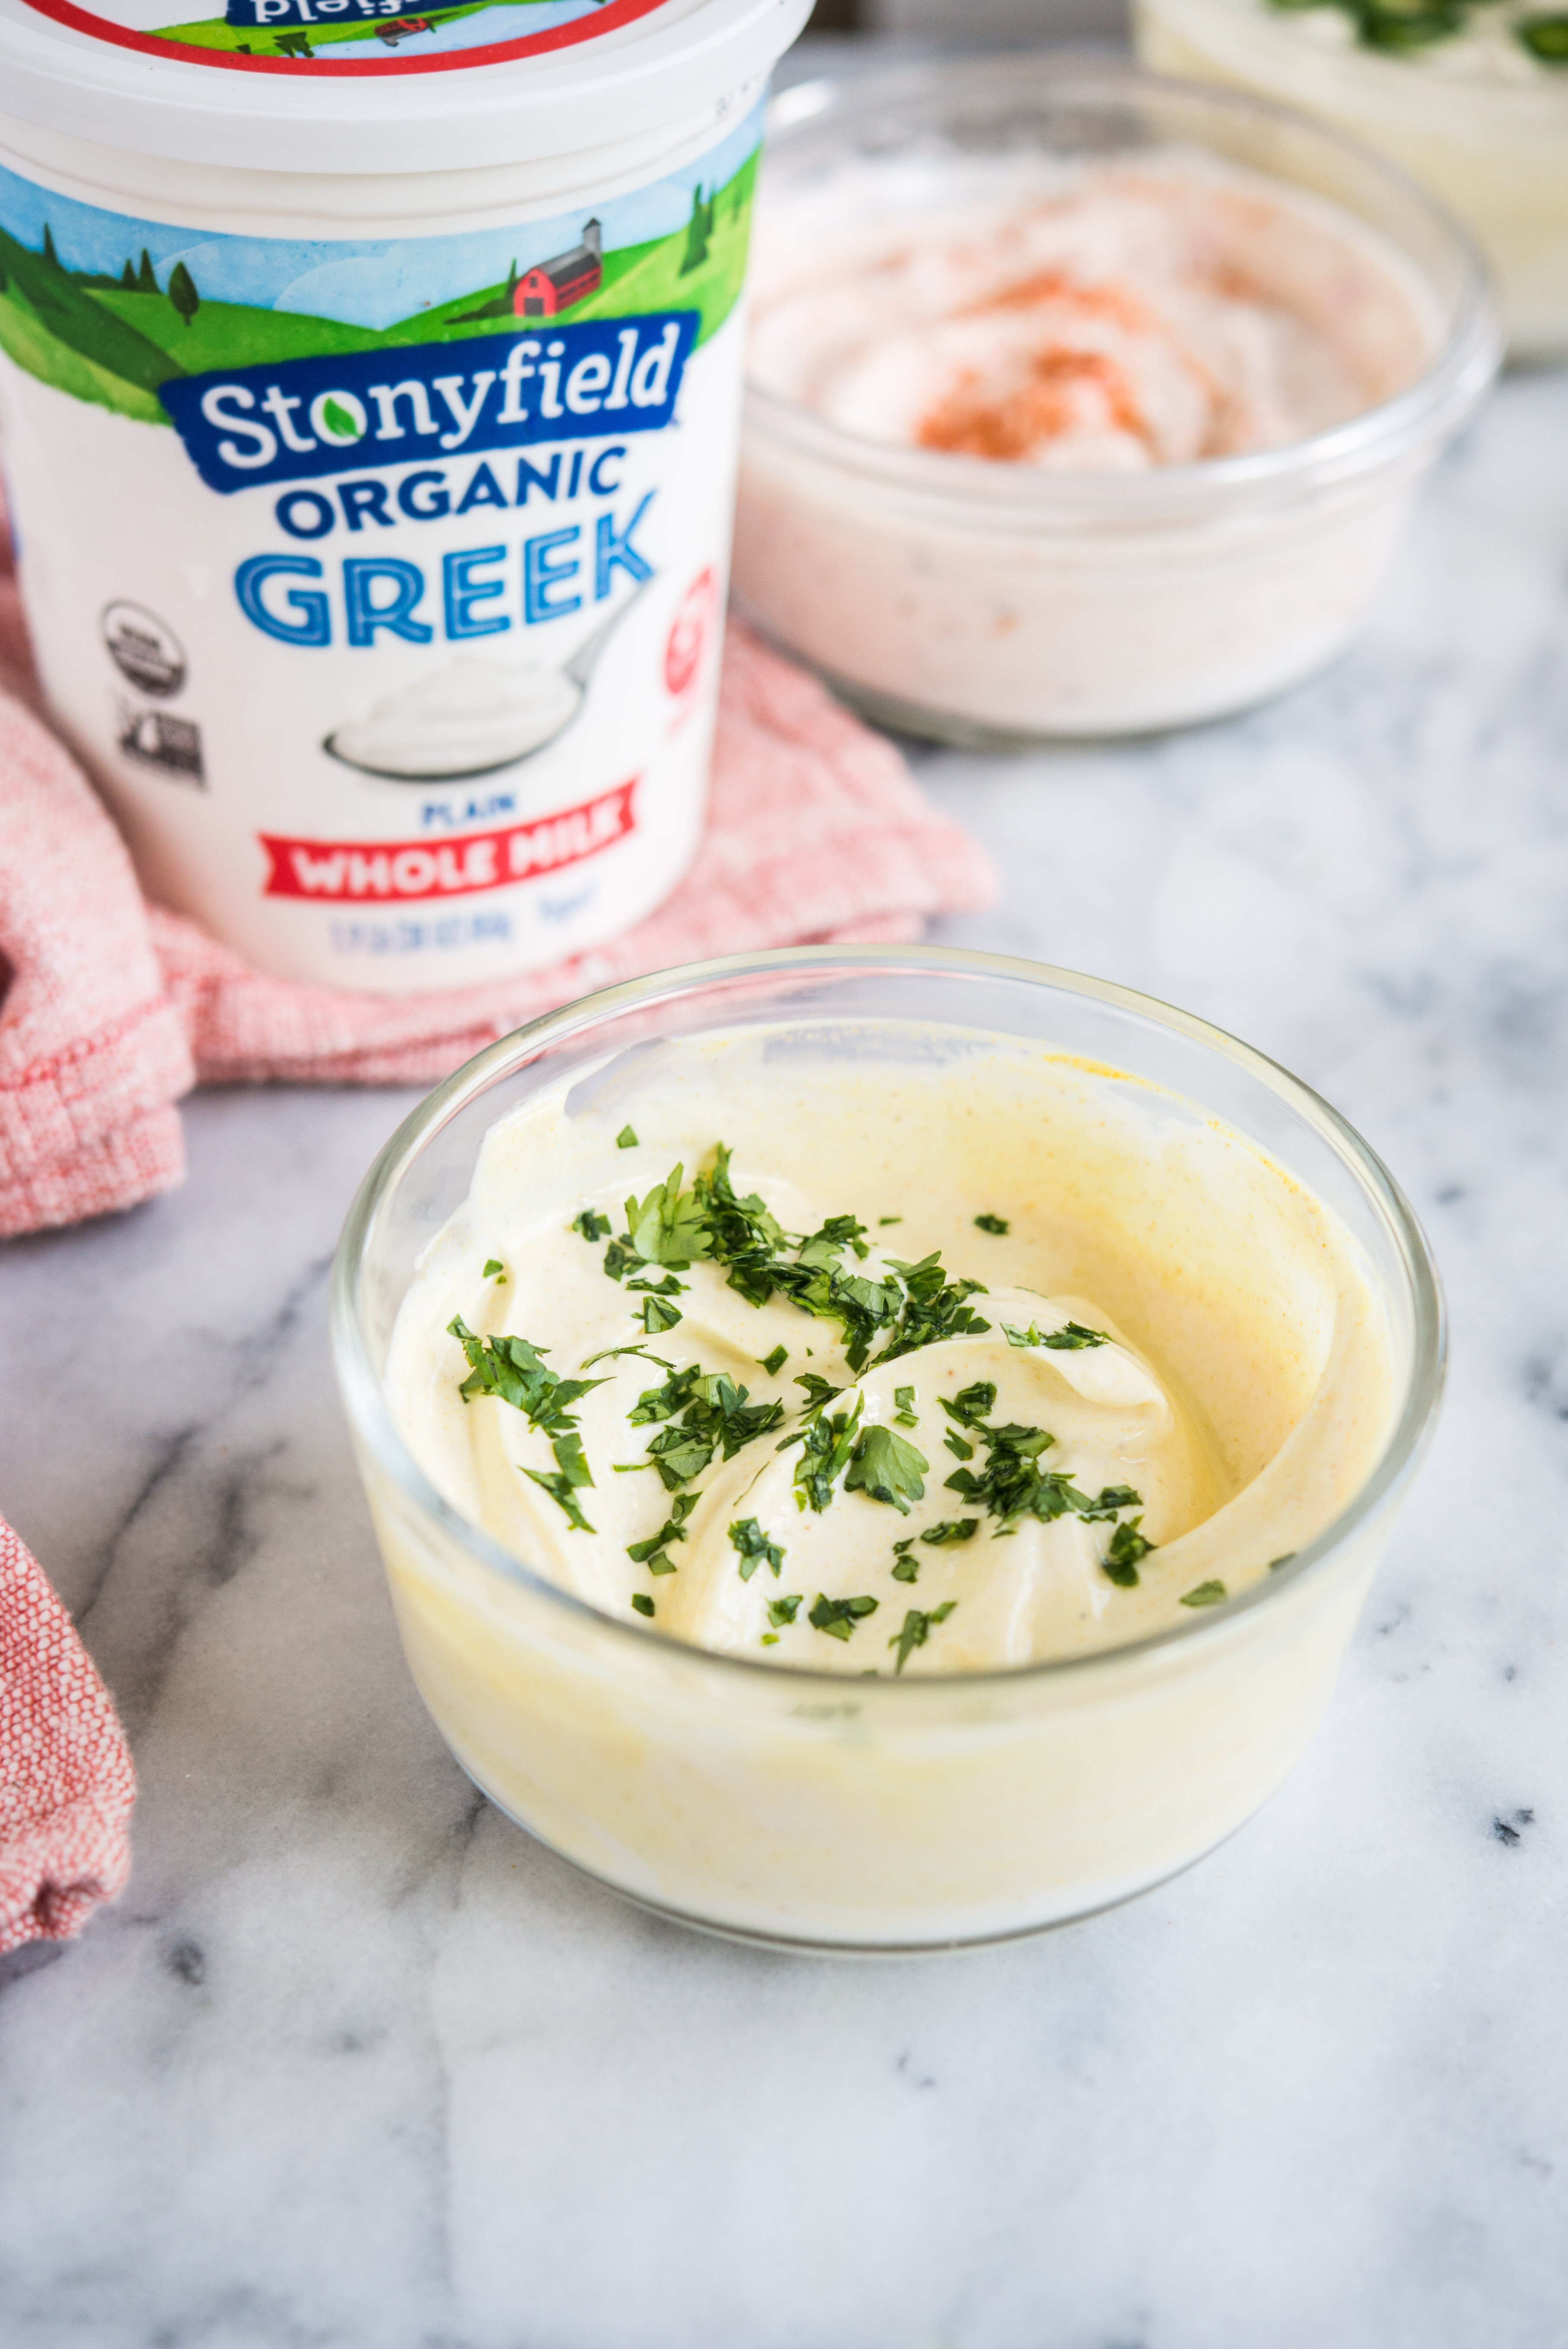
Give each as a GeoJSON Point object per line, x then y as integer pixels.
{"type": "Point", "coordinates": [353, 2065]}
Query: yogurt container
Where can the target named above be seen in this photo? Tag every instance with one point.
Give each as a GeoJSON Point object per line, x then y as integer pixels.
{"type": "Point", "coordinates": [1194, 248]}
{"type": "Point", "coordinates": [819, 1795]}
{"type": "Point", "coordinates": [369, 388]}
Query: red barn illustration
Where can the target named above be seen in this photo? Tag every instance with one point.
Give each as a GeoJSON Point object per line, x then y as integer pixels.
{"type": "Point", "coordinates": [551, 286]}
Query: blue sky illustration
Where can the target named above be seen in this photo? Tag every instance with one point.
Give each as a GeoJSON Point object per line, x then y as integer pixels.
{"type": "Point", "coordinates": [362, 282]}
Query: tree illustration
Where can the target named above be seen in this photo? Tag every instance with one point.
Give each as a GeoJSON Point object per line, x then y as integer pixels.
{"type": "Point", "coordinates": [698, 229]}
{"type": "Point", "coordinates": [146, 282]}
{"type": "Point", "coordinates": [511, 283]}
{"type": "Point", "coordinates": [127, 277]}
{"type": "Point", "coordinates": [51, 257]}
{"type": "Point", "coordinates": [182, 292]}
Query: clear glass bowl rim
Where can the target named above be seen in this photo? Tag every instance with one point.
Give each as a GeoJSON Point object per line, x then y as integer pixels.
{"type": "Point", "coordinates": [371, 1418]}
{"type": "Point", "coordinates": [1427, 410]}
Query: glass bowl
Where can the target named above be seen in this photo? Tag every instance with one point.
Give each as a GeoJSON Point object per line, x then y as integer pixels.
{"type": "Point", "coordinates": [1495, 152]}
{"type": "Point", "coordinates": [804, 1808]}
{"type": "Point", "coordinates": [994, 605]}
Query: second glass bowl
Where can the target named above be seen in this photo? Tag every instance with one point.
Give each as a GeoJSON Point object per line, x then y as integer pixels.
{"type": "Point", "coordinates": [992, 605]}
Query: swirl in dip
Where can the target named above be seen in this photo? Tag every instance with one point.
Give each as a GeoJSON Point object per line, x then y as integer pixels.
{"type": "Point", "coordinates": [949, 1364]}
{"type": "Point", "coordinates": [1101, 317]}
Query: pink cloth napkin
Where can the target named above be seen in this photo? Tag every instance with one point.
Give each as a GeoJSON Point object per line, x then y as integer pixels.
{"type": "Point", "coordinates": [66, 1781]}
{"type": "Point", "coordinates": [115, 1007]}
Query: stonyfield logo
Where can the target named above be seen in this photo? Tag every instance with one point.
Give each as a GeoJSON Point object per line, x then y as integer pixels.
{"type": "Point", "coordinates": [303, 418]}
{"type": "Point", "coordinates": [279, 15]}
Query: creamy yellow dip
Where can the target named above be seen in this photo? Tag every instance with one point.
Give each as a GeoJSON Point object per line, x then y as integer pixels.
{"type": "Point", "coordinates": [1173, 1370]}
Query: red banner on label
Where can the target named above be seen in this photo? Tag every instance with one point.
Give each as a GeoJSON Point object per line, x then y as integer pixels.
{"type": "Point", "coordinates": [387, 872]}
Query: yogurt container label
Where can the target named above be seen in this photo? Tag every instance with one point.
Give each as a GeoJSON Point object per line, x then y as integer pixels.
{"type": "Point", "coordinates": [358, 36]}
{"type": "Point", "coordinates": [379, 580]}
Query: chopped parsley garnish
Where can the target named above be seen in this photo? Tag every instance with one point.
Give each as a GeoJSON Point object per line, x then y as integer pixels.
{"type": "Point", "coordinates": [884, 1221]}
{"type": "Point", "coordinates": [997, 1225]}
{"type": "Point", "coordinates": [828, 1443]}
{"type": "Point", "coordinates": [885, 1468]}
{"type": "Point", "coordinates": [957, 1445]}
{"type": "Point", "coordinates": [783, 1611]}
{"type": "Point", "coordinates": [627, 1139]}
{"type": "Point", "coordinates": [934, 1308]}
{"type": "Point", "coordinates": [906, 1414]}
{"type": "Point", "coordinates": [905, 1569]}
{"type": "Point", "coordinates": [1127, 1546]}
{"type": "Point", "coordinates": [1066, 1340]}
{"type": "Point", "coordinates": [514, 1371]}
{"type": "Point", "coordinates": [917, 1630]}
{"type": "Point", "coordinates": [495, 1270]}
{"type": "Point", "coordinates": [753, 1547]}
{"type": "Point", "coordinates": [611, 1354]}
{"type": "Point", "coordinates": [654, 1553]}
{"type": "Point", "coordinates": [950, 1529]}
{"type": "Point", "coordinates": [971, 1404]}
{"type": "Point", "coordinates": [1275, 1563]}
{"type": "Point", "coordinates": [1205, 1594]}
{"type": "Point", "coordinates": [668, 1226]}
{"type": "Point", "coordinates": [659, 1314]}
{"type": "Point", "coordinates": [641, 1602]}
{"type": "Point", "coordinates": [591, 1225]}
{"type": "Point", "coordinates": [707, 1414]}
{"type": "Point", "coordinates": [1545, 38]}
{"type": "Point", "coordinates": [561, 1481]}
{"type": "Point", "coordinates": [668, 1286]}
{"type": "Point", "coordinates": [774, 1363]}
{"type": "Point", "coordinates": [838, 1617]}
{"type": "Point", "coordinates": [1013, 1485]}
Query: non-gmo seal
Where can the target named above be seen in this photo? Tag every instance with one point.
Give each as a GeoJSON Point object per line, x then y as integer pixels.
{"type": "Point", "coordinates": [143, 649]}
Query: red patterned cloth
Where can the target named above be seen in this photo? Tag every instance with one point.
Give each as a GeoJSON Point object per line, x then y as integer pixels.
{"type": "Point", "coordinates": [66, 1781]}
{"type": "Point", "coordinates": [115, 1007]}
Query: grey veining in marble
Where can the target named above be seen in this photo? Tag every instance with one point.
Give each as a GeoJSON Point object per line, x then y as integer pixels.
{"type": "Point", "coordinates": [354, 2065]}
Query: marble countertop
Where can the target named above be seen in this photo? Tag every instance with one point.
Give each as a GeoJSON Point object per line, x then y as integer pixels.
{"type": "Point", "coordinates": [354, 2065]}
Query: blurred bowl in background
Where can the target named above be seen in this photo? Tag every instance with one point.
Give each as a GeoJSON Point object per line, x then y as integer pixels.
{"type": "Point", "coordinates": [996, 604]}
{"type": "Point", "coordinates": [1493, 149]}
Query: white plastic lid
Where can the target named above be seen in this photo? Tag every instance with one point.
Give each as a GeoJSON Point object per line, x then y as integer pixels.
{"type": "Point", "coordinates": [378, 85]}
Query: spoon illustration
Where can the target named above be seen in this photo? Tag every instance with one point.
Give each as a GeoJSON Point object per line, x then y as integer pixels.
{"type": "Point", "coordinates": [473, 717]}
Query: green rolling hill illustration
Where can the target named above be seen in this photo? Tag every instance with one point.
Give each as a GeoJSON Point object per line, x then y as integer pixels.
{"type": "Point", "coordinates": [113, 341]}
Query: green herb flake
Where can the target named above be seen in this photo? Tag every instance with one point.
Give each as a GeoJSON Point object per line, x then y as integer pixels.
{"type": "Point", "coordinates": [627, 1139]}
{"type": "Point", "coordinates": [885, 1468]}
{"type": "Point", "coordinates": [884, 1221]}
{"type": "Point", "coordinates": [753, 1547]}
{"type": "Point", "coordinates": [1128, 1546]}
{"type": "Point", "coordinates": [950, 1529]}
{"type": "Point", "coordinates": [495, 1270]}
{"type": "Point", "coordinates": [592, 1226]}
{"type": "Point", "coordinates": [906, 1414]}
{"type": "Point", "coordinates": [641, 1602]}
{"type": "Point", "coordinates": [905, 1569]}
{"type": "Point", "coordinates": [1275, 1563]}
{"type": "Point", "coordinates": [957, 1445]}
{"type": "Point", "coordinates": [1205, 1594]}
{"type": "Point", "coordinates": [653, 1552]}
{"type": "Point", "coordinates": [514, 1372]}
{"type": "Point", "coordinates": [774, 1363]}
{"type": "Point", "coordinates": [1546, 37]}
{"type": "Point", "coordinates": [668, 1227]}
{"type": "Point", "coordinates": [770, 1639]}
{"type": "Point", "coordinates": [916, 1630]}
{"type": "Point", "coordinates": [997, 1225]}
{"type": "Point", "coordinates": [659, 1314]}
{"type": "Point", "coordinates": [1066, 1340]}
{"type": "Point", "coordinates": [783, 1611]}
{"type": "Point", "coordinates": [838, 1617]}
